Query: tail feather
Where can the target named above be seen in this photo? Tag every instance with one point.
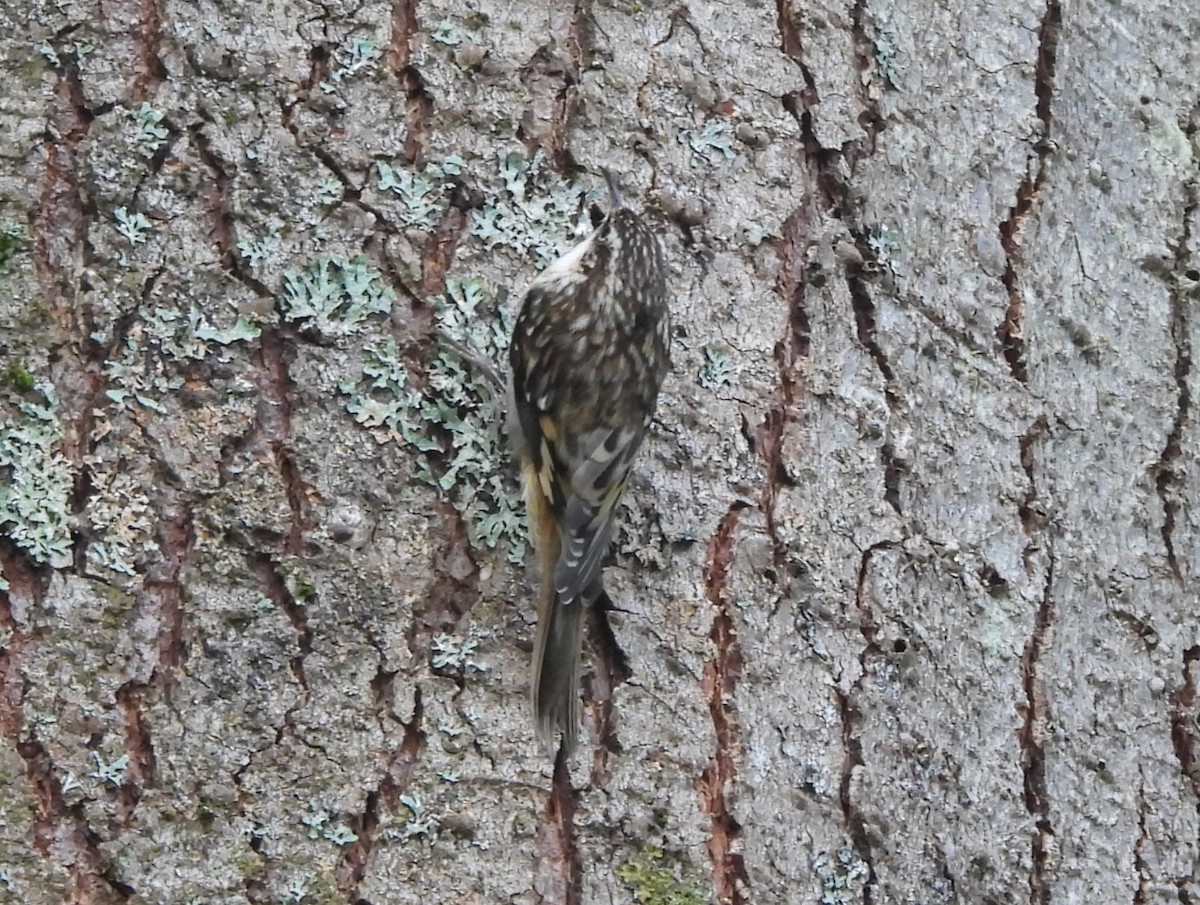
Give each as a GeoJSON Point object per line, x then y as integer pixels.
{"type": "Point", "coordinates": [556, 670]}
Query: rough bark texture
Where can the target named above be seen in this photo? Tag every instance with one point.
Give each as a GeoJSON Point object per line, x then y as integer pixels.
{"type": "Point", "coordinates": [906, 597]}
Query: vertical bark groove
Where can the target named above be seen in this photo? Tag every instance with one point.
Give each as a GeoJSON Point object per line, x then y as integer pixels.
{"type": "Point", "coordinates": [419, 101]}
{"type": "Point", "coordinates": [1010, 333]}
{"type": "Point", "coordinates": [730, 880]}
{"type": "Point", "coordinates": [1033, 757]}
{"type": "Point", "coordinates": [556, 856]}
{"type": "Point", "coordinates": [381, 801]}
{"type": "Point", "coordinates": [275, 587]}
{"type": "Point", "coordinates": [1167, 479]}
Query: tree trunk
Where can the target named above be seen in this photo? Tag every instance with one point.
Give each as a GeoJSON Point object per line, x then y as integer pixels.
{"type": "Point", "coordinates": [905, 588]}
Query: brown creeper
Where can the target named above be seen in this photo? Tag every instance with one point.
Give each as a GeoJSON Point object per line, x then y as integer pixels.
{"type": "Point", "coordinates": [589, 352]}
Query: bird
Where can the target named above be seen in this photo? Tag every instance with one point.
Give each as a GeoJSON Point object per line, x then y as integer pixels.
{"type": "Point", "coordinates": [589, 351]}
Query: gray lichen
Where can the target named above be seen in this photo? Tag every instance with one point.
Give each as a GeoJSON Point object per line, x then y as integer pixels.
{"type": "Point", "coordinates": [359, 55]}
{"type": "Point", "coordinates": [335, 295]}
{"type": "Point", "coordinates": [454, 421]}
{"type": "Point", "coordinates": [134, 227]}
{"type": "Point", "coordinates": [150, 132]}
{"type": "Point", "coordinates": [34, 507]}
{"type": "Point", "coordinates": [161, 334]}
{"type": "Point", "coordinates": [714, 137]}
{"type": "Point", "coordinates": [12, 240]}
{"type": "Point", "coordinates": [453, 653]}
{"type": "Point", "coordinates": [535, 213]}
{"type": "Point", "coordinates": [886, 51]}
{"type": "Point", "coordinates": [424, 195]}
{"type": "Point", "coordinates": [717, 370]}
{"type": "Point", "coordinates": [842, 874]}
{"type": "Point", "coordinates": [121, 520]}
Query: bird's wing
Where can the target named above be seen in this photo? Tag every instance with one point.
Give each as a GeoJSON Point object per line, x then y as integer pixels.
{"type": "Point", "coordinates": [596, 468]}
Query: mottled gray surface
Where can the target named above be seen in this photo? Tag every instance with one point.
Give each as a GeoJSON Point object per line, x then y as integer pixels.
{"type": "Point", "coordinates": [907, 583]}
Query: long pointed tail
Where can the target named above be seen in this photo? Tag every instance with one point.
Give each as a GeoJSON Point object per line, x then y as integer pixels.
{"type": "Point", "coordinates": [556, 669]}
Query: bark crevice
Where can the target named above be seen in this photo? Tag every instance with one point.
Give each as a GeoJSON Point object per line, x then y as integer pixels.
{"type": "Point", "coordinates": [418, 100]}
{"type": "Point", "coordinates": [1167, 480]}
{"type": "Point", "coordinates": [730, 879]}
{"type": "Point", "coordinates": [1010, 332]}
{"type": "Point", "coordinates": [558, 871]}
{"type": "Point", "coordinates": [382, 801]}
{"type": "Point", "coordinates": [275, 586]}
{"type": "Point", "coordinates": [1036, 713]}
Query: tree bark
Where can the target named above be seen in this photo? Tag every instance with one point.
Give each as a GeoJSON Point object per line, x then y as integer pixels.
{"type": "Point", "coordinates": [905, 588]}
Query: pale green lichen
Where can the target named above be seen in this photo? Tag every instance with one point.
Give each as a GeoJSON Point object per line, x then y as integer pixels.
{"type": "Point", "coordinates": [714, 137]}
{"type": "Point", "coordinates": [388, 407]}
{"type": "Point", "coordinates": [886, 52]}
{"type": "Point", "coordinates": [150, 132]}
{"type": "Point", "coordinates": [756, 233]}
{"type": "Point", "coordinates": [315, 820]}
{"type": "Point", "coordinates": [34, 500]}
{"type": "Point", "coordinates": [360, 54]}
{"type": "Point", "coordinates": [112, 773]}
{"type": "Point", "coordinates": [842, 874]}
{"type": "Point", "coordinates": [652, 881]}
{"type": "Point", "coordinates": [329, 190]}
{"type": "Point", "coordinates": [297, 889]}
{"type": "Point", "coordinates": [77, 49]}
{"type": "Point", "coordinates": [157, 335]}
{"type": "Point", "coordinates": [335, 295]}
{"type": "Point", "coordinates": [421, 824]}
{"type": "Point", "coordinates": [142, 374]}
{"type": "Point", "coordinates": [998, 630]}
{"type": "Point", "coordinates": [885, 243]}
{"type": "Point", "coordinates": [446, 33]}
{"type": "Point", "coordinates": [121, 520]}
{"type": "Point", "coordinates": [454, 421]}
{"type": "Point", "coordinates": [255, 249]}
{"type": "Point", "coordinates": [320, 826]}
{"type": "Point", "coordinates": [241, 330]}
{"type": "Point", "coordinates": [340, 835]}
{"type": "Point", "coordinates": [134, 227]}
{"type": "Point", "coordinates": [12, 240]}
{"type": "Point", "coordinates": [453, 653]}
{"type": "Point", "coordinates": [425, 196]}
{"type": "Point", "coordinates": [536, 212]}
{"type": "Point", "coordinates": [717, 370]}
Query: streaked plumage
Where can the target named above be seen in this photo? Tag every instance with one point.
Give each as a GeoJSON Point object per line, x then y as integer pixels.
{"type": "Point", "coordinates": [588, 355]}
